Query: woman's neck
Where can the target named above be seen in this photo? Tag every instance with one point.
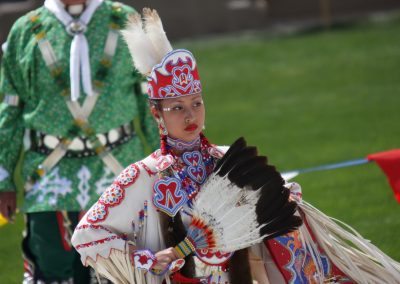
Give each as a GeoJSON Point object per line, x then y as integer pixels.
{"type": "Point", "coordinates": [179, 146]}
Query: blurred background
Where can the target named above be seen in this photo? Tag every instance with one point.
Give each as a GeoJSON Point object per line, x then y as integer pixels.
{"type": "Point", "coordinates": [192, 18]}
{"type": "Point", "coordinates": [309, 82]}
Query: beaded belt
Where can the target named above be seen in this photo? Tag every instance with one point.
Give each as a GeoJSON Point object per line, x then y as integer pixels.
{"type": "Point", "coordinates": [81, 147]}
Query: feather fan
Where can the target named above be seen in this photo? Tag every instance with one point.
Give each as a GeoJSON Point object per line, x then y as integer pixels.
{"type": "Point", "coordinates": [242, 203]}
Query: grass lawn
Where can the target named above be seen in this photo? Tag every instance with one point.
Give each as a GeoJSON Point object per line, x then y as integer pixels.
{"type": "Point", "coordinates": [306, 99]}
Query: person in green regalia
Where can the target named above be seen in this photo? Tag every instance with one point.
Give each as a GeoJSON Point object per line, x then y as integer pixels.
{"type": "Point", "coordinates": [74, 105]}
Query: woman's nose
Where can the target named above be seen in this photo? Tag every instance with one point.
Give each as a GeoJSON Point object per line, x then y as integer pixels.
{"type": "Point", "coordinates": [189, 113]}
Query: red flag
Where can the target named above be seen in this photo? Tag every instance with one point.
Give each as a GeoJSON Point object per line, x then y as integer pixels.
{"type": "Point", "coordinates": [389, 162]}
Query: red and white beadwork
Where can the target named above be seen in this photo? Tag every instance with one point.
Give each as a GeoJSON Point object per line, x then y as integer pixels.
{"type": "Point", "coordinates": [97, 242]}
{"type": "Point", "coordinates": [143, 259]}
{"type": "Point", "coordinates": [156, 154]}
{"type": "Point", "coordinates": [147, 169]}
{"type": "Point", "coordinates": [215, 152]}
{"type": "Point", "coordinates": [113, 195]}
{"type": "Point", "coordinates": [97, 213]}
{"type": "Point", "coordinates": [176, 265]}
{"type": "Point", "coordinates": [211, 257]}
{"type": "Point", "coordinates": [128, 176]}
{"type": "Point", "coordinates": [164, 162]}
{"type": "Point", "coordinates": [175, 76]}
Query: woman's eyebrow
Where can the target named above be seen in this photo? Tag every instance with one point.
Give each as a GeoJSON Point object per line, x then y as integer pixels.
{"type": "Point", "coordinates": [195, 98]}
{"type": "Point", "coordinates": [181, 101]}
{"type": "Point", "coordinates": [174, 102]}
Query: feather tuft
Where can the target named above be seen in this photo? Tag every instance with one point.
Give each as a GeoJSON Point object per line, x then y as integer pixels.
{"type": "Point", "coordinates": [155, 31]}
{"type": "Point", "coordinates": [141, 48]}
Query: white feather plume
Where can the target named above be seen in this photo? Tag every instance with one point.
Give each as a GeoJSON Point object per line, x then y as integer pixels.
{"type": "Point", "coordinates": [140, 46]}
{"type": "Point", "coordinates": [155, 31]}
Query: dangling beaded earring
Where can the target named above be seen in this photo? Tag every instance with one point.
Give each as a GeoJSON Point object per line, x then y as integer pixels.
{"type": "Point", "coordinates": [163, 128]}
{"type": "Point", "coordinates": [163, 145]}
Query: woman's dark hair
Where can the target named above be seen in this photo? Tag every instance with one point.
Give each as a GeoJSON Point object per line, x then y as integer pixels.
{"type": "Point", "coordinates": [155, 103]}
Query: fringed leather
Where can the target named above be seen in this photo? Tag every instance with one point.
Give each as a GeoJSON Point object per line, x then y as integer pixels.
{"type": "Point", "coordinates": [239, 268]}
{"type": "Point", "coordinates": [174, 232]}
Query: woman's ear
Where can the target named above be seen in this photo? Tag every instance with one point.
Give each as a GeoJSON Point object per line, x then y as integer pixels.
{"type": "Point", "coordinates": [154, 112]}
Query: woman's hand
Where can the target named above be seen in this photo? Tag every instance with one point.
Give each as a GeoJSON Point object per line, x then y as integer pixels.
{"type": "Point", "coordinates": [145, 259]}
{"type": "Point", "coordinates": [164, 258]}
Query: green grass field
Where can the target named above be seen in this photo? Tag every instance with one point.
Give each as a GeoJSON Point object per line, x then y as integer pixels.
{"type": "Point", "coordinates": [305, 99]}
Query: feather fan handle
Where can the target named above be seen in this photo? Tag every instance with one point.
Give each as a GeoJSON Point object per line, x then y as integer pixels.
{"type": "Point", "coordinates": [155, 31]}
{"type": "Point", "coordinates": [243, 202]}
{"type": "Point", "coordinates": [143, 53]}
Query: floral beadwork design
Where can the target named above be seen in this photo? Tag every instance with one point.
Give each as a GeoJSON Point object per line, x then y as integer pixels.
{"type": "Point", "coordinates": [128, 176]}
{"type": "Point", "coordinates": [97, 213]}
{"type": "Point", "coordinates": [114, 194]}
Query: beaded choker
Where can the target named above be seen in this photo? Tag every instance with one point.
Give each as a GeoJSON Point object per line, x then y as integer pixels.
{"type": "Point", "coordinates": [181, 145]}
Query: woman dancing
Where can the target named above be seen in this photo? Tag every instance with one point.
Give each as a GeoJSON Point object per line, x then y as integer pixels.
{"type": "Point", "coordinates": [144, 228]}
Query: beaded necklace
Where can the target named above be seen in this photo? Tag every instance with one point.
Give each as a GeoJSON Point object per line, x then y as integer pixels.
{"type": "Point", "coordinates": [192, 168]}
{"type": "Point", "coordinates": [182, 175]}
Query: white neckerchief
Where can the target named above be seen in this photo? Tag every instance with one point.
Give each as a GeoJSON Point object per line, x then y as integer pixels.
{"type": "Point", "coordinates": [79, 53]}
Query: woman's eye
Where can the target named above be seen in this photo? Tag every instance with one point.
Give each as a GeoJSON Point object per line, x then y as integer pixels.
{"type": "Point", "coordinates": [197, 104]}
{"type": "Point", "coordinates": [177, 108]}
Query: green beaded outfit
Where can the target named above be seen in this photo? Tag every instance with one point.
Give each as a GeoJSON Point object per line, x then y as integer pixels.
{"type": "Point", "coordinates": [73, 184]}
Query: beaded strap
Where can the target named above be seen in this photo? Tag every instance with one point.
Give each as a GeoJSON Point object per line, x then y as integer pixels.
{"type": "Point", "coordinates": [184, 248]}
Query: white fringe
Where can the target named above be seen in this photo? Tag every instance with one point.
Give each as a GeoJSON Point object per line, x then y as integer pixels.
{"type": "Point", "coordinates": [347, 249]}
{"type": "Point", "coordinates": [118, 269]}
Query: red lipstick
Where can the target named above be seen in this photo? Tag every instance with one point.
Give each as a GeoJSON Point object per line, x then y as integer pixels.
{"type": "Point", "coordinates": [191, 127]}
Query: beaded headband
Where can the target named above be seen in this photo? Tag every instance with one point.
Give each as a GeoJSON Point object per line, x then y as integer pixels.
{"type": "Point", "coordinates": [170, 73]}
{"type": "Point", "coordinates": [175, 76]}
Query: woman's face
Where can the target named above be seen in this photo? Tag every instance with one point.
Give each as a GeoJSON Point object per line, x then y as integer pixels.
{"type": "Point", "coordinates": [183, 117]}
